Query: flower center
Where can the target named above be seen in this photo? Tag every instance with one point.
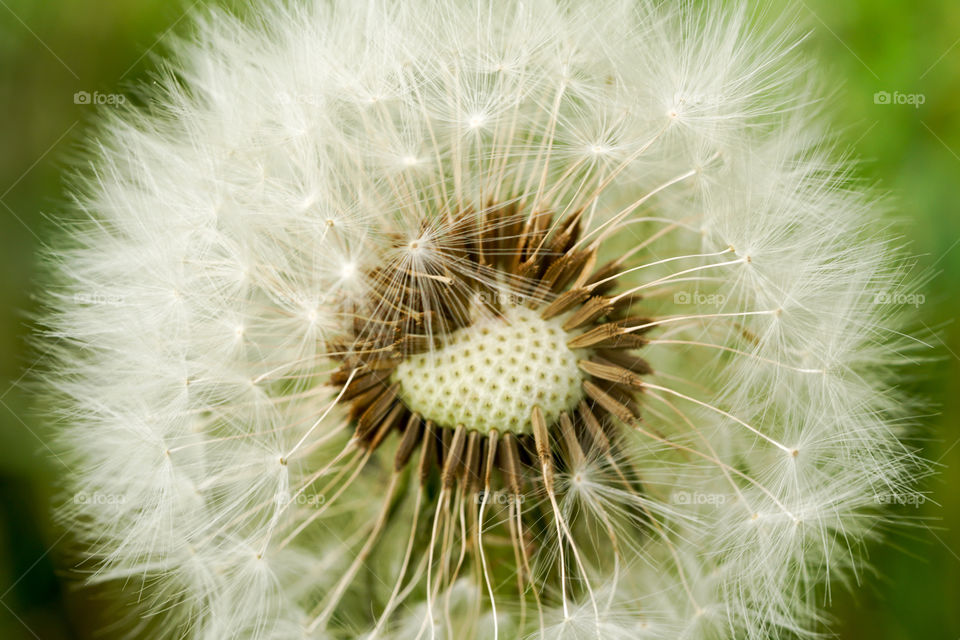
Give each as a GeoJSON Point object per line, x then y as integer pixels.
{"type": "Point", "coordinates": [492, 348]}
{"type": "Point", "coordinates": [488, 375]}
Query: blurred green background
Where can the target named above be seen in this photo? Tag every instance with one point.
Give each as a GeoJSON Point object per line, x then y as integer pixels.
{"type": "Point", "coordinates": [52, 49]}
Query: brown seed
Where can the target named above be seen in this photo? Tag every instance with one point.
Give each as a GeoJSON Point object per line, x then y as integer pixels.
{"type": "Point", "coordinates": [470, 476]}
{"type": "Point", "coordinates": [542, 439]}
{"type": "Point", "coordinates": [393, 419]}
{"type": "Point", "coordinates": [361, 383]}
{"type": "Point", "coordinates": [428, 454]}
{"type": "Point", "coordinates": [594, 428]}
{"type": "Point", "coordinates": [572, 444]}
{"type": "Point", "coordinates": [453, 457]}
{"type": "Point", "coordinates": [376, 411]}
{"type": "Point", "coordinates": [594, 308]}
{"type": "Point", "coordinates": [362, 402]}
{"type": "Point", "coordinates": [608, 403]}
{"type": "Point", "coordinates": [492, 441]}
{"type": "Point", "coordinates": [409, 441]}
{"type": "Point", "coordinates": [624, 359]}
{"type": "Point", "coordinates": [564, 302]}
{"type": "Point", "coordinates": [562, 271]}
{"type": "Point", "coordinates": [611, 372]}
{"type": "Point", "coordinates": [510, 463]}
{"type": "Point", "coordinates": [607, 336]}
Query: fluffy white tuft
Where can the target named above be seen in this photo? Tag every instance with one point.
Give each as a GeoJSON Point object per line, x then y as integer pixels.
{"type": "Point", "coordinates": [229, 231]}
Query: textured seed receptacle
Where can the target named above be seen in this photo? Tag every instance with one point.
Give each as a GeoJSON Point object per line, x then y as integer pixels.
{"type": "Point", "coordinates": [491, 374]}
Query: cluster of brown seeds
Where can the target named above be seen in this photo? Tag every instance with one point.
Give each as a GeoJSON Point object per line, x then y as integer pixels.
{"type": "Point", "coordinates": [548, 269]}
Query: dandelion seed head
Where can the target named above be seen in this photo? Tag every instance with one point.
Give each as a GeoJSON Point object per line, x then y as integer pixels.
{"type": "Point", "coordinates": [494, 319]}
